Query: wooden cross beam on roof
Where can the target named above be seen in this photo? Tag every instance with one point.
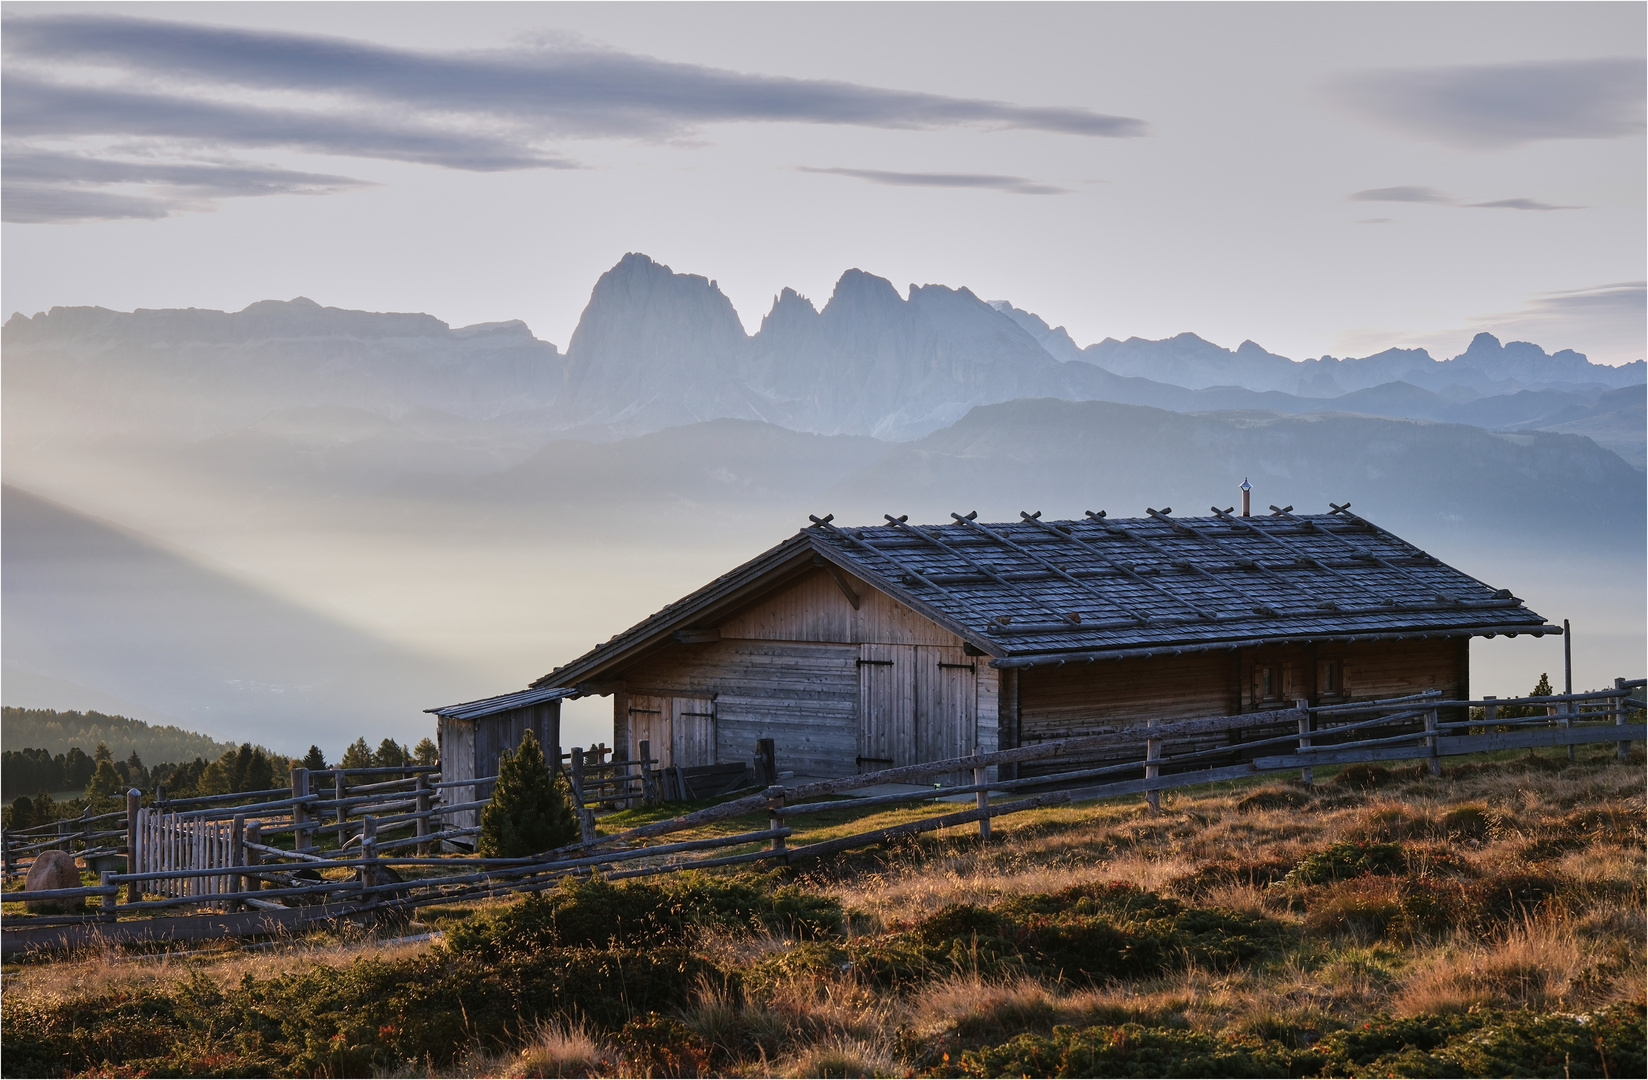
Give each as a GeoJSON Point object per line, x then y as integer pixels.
{"type": "Point", "coordinates": [1062, 616]}
{"type": "Point", "coordinates": [1368, 552]}
{"type": "Point", "coordinates": [1293, 552]}
{"type": "Point", "coordinates": [1240, 559]}
{"type": "Point", "coordinates": [1055, 569]}
{"type": "Point", "coordinates": [1259, 607]}
{"type": "Point", "coordinates": [1120, 568]}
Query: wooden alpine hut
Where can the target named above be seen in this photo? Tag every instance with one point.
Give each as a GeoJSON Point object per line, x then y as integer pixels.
{"type": "Point", "coordinates": [863, 648]}
{"type": "Point", "coordinates": [473, 734]}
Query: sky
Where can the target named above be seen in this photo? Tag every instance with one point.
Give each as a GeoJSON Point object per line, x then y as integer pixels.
{"type": "Point", "coordinates": [1319, 178]}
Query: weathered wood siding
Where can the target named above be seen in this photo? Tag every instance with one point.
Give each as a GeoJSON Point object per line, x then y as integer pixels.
{"type": "Point", "coordinates": [814, 609]}
{"type": "Point", "coordinates": [471, 748]}
{"type": "Point", "coordinates": [789, 668]}
{"type": "Point", "coordinates": [1089, 699]}
{"type": "Point", "coordinates": [803, 695]}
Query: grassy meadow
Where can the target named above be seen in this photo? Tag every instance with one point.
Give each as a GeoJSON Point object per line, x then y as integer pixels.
{"type": "Point", "coordinates": [1384, 923]}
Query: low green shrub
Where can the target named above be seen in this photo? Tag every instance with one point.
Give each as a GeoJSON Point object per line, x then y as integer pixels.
{"type": "Point", "coordinates": [367, 1017]}
{"type": "Point", "coordinates": [654, 1045]}
{"type": "Point", "coordinates": [1347, 859]}
{"type": "Point", "coordinates": [1084, 934]}
{"type": "Point", "coordinates": [594, 912]}
{"type": "Point", "coordinates": [1128, 1050]}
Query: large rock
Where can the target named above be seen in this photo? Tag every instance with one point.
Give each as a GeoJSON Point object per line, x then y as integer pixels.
{"type": "Point", "coordinates": [52, 870]}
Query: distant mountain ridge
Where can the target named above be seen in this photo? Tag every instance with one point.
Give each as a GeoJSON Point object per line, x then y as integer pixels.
{"type": "Point", "coordinates": [656, 349]}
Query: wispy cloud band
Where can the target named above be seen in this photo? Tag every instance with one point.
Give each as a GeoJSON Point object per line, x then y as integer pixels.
{"type": "Point", "coordinates": [1415, 194]}
{"type": "Point", "coordinates": [159, 85]}
{"type": "Point", "coordinates": [1013, 185]}
{"type": "Point", "coordinates": [1494, 105]}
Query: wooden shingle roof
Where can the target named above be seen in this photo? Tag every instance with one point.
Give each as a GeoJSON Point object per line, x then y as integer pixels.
{"type": "Point", "coordinates": [1030, 591]}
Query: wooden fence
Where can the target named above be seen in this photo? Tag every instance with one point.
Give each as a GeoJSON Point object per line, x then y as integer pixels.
{"type": "Point", "coordinates": [1409, 728]}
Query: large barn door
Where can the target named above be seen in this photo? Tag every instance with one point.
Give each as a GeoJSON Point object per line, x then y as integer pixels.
{"type": "Point", "coordinates": [886, 707]}
{"type": "Point", "coordinates": [692, 721]}
{"type": "Point", "coordinates": [946, 703]}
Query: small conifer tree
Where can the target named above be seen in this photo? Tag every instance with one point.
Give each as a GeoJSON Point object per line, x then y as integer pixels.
{"type": "Point", "coordinates": [314, 760]}
{"type": "Point", "coordinates": [531, 811]}
{"type": "Point", "coordinates": [426, 752]}
{"type": "Point", "coordinates": [357, 756]}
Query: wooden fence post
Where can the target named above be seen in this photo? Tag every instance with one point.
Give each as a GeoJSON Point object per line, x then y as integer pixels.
{"type": "Point", "coordinates": [1435, 761]}
{"type": "Point", "coordinates": [766, 762]}
{"type": "Point", "coordinates": [254, 857]}
{"type": "Point", "coordinates": [1307, 775]}
{"type": "Point", "coordinates": [340, 791]}
{"type": "Point", "coordinates": [1490, 714]}
{"type": "Point", "coordinates": [649, 779]}
{"type": "Point", "coordinates": [134, 808]}
{"type": "Point", "coordinates": [110, 899]}
{"type": "Point", "coordinates": [775, 818]}
{"type": "Point", "coordinates": [423, 806]}
{"type": "Point", "coordinates": [1624, 749]}
{"type": "Point", "coordinates": [577, 776]}
{"type": "Point", "coordinates": [980, 777]}
{"type": "Point", "coordinates": [1152, 752]}
{"type": "Point", "coordinates": [6, 856]}
{"type": "Point", "coordinates": [237, 857]}
{"type": "Point", "coordinates": [301, 840]}
{"type": "Point", "coordinates": [369, 852]}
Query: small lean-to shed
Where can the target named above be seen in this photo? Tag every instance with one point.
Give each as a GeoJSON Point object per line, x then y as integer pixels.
{"type": "Point", "coordinates": [473, 734]}
{"type": "Point", "coordinates": [858, 649]}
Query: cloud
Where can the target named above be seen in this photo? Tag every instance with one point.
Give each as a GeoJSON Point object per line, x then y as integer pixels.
{"type": "Point", "coordinates": [1015, 185]}
{"type": "Point", "coordinates": [47, 187]}
{"type": "Point", "coordinates": [1497, 105]}
{"type": "Point", "coordinates": [169, 89]}
{"type": "Point", "coordinates": [1401, 194]}
{"type": "Point", "coordinates": [1520, 204]}
{"type": "Point", "coordinates": [1413, 194]}
{"type": "Point", "coordinates": [41, 109]}
{"type": "Point", "coordinates": [555, 90]}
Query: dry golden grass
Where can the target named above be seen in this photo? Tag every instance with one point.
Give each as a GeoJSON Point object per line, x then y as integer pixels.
{"type": "Point", "coordinates": [1220, 847]}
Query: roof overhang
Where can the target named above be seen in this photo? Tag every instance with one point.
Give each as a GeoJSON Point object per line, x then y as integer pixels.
{"type": "Point", "coordinates": [1088, 657]}
{"type": "Point", "coordinates": [520, 699]}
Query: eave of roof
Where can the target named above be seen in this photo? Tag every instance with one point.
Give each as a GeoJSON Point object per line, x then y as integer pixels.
{"type": "Point", "coordinates": [520, 699]}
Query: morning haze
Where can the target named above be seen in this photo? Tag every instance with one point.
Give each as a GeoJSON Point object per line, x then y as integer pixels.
{"type": "Point", "coordinates": [366, 358]}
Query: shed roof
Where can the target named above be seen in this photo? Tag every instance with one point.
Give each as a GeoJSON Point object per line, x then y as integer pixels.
{"type": "Point", "coordinates": [472, 710]}
{"type": "Point", "coordinates": [1031, 591]}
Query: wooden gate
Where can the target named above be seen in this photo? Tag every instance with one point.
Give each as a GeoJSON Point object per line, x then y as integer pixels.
{"type": "Point", "coordinates": [174, 842]}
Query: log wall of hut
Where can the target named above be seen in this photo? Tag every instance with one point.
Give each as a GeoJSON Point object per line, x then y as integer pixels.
{"type": "Point", "coordinates": [1059, 702]}
{"type": "Point", "coordinates": [840, 683]}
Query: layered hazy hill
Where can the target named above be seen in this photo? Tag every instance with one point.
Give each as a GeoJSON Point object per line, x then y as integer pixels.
{"type": "Point", "coordinates": [297, 519]}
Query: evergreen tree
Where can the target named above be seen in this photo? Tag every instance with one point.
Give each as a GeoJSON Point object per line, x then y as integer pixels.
{"type": "Point", "coordinates": [314, 760]}
{"type": "Point", "coordinates": [1542, 688]}
{"type": "Point", "coordinates": [136, 774]}
{"type": "Point", "coordinates": [105, 787]}
{"type": "Point", "coordinates": [259, 774]}
{"type": "Point", "coordinates": [530, 811]}
{"type": "Point", "coordinates": [358, 756]}
{"type": "Point", "coordinates": [20, 814]}
{"type": "Point", "coordinates": [390, 754]}
{"type": "Point", "coordinates": [426, 752]}
{"type": "Point", "coordinates": [77, 769]}
{"type": "Point", "coordinates": [102, 753]}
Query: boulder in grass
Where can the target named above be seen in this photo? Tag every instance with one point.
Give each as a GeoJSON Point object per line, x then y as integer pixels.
{"type": "Point", "coordinates": [52, 870]}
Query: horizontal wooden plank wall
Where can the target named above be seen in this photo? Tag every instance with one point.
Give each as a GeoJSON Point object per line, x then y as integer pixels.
{"type": "Point", "coordinates": [802, 695]}
{"type": "Point", "coordinates": [1088, 699]}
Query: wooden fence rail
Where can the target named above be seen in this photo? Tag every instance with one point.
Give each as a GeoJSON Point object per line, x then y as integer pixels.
{"type": "Point", "coordinates": [259, 875]}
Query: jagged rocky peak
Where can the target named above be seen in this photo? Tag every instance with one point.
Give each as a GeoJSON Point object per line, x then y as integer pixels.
{"type": "Point", "coordinates": [641, 310]}
{"type": "Point", "coordinates": [857, 292]}
{"type": "Point", "coordinates": [789, 310]}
